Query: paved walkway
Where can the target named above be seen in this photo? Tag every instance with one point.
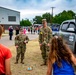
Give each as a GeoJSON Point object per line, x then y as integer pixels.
{"type": "Point", "coordinates": [5, 40]}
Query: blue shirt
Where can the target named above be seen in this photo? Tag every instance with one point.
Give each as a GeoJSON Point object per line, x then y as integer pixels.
{"type": "Point", "coordinates": [65, 69]}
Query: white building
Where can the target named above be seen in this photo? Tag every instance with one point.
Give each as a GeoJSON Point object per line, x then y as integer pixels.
{"type": "Point", "coordinates": [9, 17]}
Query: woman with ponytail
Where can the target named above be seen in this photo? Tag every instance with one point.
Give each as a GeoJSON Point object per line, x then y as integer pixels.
{"type": "Point", "coordinates": [61, 59]}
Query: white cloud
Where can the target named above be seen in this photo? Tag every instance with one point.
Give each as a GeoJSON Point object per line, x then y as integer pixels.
{"type": "Point", "coordinates": [32, 13]}
{"type": "Point", "coordinates": [30, 8]}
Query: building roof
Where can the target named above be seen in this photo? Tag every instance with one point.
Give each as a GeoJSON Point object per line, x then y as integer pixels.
{"type": "Point", "coordinates": [9, 9]}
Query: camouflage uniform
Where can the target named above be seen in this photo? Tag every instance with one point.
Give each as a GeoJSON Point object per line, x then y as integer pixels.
{"type": "Point", "coordinates": [44, 38]}
{"type": "Point", "coordinates": [19, 41]}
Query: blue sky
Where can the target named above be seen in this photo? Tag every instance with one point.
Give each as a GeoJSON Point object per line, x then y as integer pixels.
{"type": "Point", "coordinates": [30, 8]}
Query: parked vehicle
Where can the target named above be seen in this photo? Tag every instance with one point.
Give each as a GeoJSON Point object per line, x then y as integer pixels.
{"type": "Point", "coordinates": [55, 29]}
{"type": "Point", "coordinates": [68, 33]}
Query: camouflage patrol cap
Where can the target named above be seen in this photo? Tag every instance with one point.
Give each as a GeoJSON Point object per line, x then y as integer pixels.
{"type": "Point", "coordinates": [43, 20]}
{"type": "Point", "coordinates": [21, 29]}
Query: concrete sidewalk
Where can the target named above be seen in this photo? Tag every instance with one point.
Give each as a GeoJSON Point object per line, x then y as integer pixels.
{"type": "Point", "coordinates": [5, 40]}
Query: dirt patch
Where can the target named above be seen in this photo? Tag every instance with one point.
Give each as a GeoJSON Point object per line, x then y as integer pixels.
{"type": "Point", "coordinates": [32, 59]}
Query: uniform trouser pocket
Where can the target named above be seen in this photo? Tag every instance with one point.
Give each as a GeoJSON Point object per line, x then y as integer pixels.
{"type": "Point", "coordinates": [44, 51]}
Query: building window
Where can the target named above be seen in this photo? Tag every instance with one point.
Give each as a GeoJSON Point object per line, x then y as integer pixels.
{"type": "Point", "coordinates": [11, 18]}
{"type": "Point", "coordinates": [2, 17]}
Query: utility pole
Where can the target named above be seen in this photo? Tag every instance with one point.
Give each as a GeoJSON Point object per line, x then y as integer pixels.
{"type": "Point", "coordinates": [52, 10]}
{"type": "Point", "coordinates": [52, 13]}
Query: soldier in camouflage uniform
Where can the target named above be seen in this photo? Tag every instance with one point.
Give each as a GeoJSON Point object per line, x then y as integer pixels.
{"type": "Point", "coordinates": [44, 38]}
{"type": "Point", "coordinates": [20, 43]}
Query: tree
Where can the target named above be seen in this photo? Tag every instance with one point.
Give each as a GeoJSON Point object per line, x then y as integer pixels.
{"type": "Point", "coordinates": [37, 20]}
{"type": "Point", "coordinates": [59, 18]}
{"type": "Point", "coordinates": [71, 14]}
{"type": "Point", "coordinates": [65, 15]}
{"type": "Point", "coordinates": [25, 22]}
{"type": "Point", "coordinates": [47, 16]}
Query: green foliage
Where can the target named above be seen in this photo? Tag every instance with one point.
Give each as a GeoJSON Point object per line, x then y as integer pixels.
{"type": "Point", "coordinates": [37, 20]}
{"type": "Point", "coordinates": [59, 18]}
{"type": "Point", "coordinates": [25, 22]}
{"type": "Point", "coordinates": [47, 16]}
{"type": "Point", "coordinates": [65, 15]}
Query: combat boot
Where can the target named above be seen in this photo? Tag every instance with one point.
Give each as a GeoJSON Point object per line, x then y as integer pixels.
{"type": "Point", "coordinates": [43, 63]}
{"type": "Point", "coordinates": [16, 61]}
{"type": "Point", "coordinates": [22, 61]}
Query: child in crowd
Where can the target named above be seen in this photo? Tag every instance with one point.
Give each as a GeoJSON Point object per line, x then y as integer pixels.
{"type": "Point", "coordinates": [61, 58]}
{"type": "Point", "coordinates": [5, 56]}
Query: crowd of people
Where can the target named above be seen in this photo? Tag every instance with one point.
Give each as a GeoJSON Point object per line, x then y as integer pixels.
{"type": "Point", "coordinates": [31, 30]}
{"type": "Point", "coordinates": [56, 55]}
